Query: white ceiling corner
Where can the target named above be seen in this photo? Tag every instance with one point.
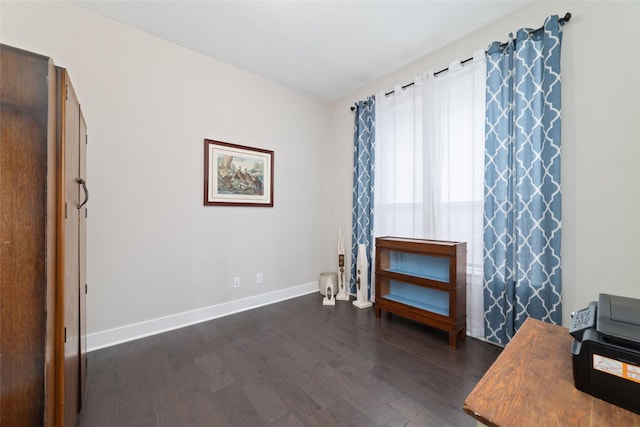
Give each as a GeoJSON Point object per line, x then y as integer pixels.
{"type": "Point", "coordinates": [324, 48]}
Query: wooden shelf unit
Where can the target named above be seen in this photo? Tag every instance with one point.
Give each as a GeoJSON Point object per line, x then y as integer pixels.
{"type": "Point", "coordinates": [423, 280]}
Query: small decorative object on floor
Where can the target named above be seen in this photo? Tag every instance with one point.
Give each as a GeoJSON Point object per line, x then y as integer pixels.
{"type": "Point", "coordinates": [343, 293]}
{"type": "Point", "coordinates": [322, 281]}
{"type": "Point", "coordinates": [362, 283]}
{"type": "Point", "coordinates": [328, 293]}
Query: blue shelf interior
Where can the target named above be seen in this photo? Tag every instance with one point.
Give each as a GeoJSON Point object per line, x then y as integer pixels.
{"type": "Point", "coordinates": [424, 266]}
{"type": "Point", "coordinates": [427, 299]}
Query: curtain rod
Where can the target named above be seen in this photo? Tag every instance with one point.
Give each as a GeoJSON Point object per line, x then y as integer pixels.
{"type": "Point", "coordinates": [566, 18]}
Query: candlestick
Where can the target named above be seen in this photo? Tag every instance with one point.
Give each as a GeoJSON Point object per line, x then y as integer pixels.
{"type": "Point", "coordinates": [362, 279]}
{"type": "Point", "coordinates": [343, 293]}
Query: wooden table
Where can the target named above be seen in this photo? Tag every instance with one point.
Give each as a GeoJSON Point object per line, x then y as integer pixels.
{"type": "Point", "coordinates": [531, 384]}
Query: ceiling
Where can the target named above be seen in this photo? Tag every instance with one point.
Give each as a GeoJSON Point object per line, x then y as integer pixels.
{"type": "Point", "coordinates": [327, 49]}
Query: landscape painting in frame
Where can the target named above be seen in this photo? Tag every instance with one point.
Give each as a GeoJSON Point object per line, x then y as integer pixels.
{"type": "Point", "coordinates": [235, 175]}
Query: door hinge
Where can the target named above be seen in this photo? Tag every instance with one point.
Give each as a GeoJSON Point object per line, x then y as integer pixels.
{"type": "Point", "coordinates": [86, 288]}
{"type": "Point", "coordinates": [86, 139]}
{"type": "Point", "coordinates": [65, 210]}
{"type": "Point", "coordinates": [66, 92]}
{"type": "Point", "coordinates": [86, 212]}
{"type": "Point", "coordinates": [65, 334]}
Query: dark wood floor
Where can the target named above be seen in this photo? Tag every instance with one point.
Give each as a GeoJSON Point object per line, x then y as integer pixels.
{"type": "Point", "coordinates": [294, 363]}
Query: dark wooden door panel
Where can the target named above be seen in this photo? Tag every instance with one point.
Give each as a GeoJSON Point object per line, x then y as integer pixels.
{"type": "Point", "coordinates": [27, 230]}
{"type": "Point", "coordinates": [42, 243]}
{"type": "Point", "coordinates": [82, 257]}
{"type": "Point", "coordinates": [23, 276]}
{"type": "Point", "coordinates": [71, 147]}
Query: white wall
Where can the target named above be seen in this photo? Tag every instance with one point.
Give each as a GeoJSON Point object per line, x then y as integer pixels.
{"type": "Point", "coordinates": [600, 139]}
{"type": "Point", "coordinates": [154, 250]}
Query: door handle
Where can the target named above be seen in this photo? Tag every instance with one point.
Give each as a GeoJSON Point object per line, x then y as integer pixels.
{"type": "Point", "coordinates": [86, 192]}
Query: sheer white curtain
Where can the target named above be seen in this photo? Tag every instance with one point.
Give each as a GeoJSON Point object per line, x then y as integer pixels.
{"type": "Point", "coordinates": [430, 166]}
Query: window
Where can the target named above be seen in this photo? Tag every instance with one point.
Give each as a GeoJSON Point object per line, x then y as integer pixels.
{"type": "Point", "coordinates": [430, 166]}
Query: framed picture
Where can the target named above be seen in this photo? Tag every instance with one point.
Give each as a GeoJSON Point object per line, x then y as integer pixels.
{"type": "Point", "coordinates": [235, 175]}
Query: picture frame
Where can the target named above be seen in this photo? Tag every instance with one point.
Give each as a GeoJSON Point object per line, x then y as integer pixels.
{"type": "Point", "coordinates": [236, 175]}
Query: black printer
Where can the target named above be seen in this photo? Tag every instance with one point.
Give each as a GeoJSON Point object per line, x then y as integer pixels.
{"type": "Point", "coordinates": [606, 350]}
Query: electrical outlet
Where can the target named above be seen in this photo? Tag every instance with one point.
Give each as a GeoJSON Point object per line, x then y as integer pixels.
{"type": "Point", "coordinates": [236, 282]}
{"type": "Point", "coordinates": [259, 278]}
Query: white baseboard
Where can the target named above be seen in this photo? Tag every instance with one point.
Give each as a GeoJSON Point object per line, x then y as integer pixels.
{"type": "Point", "coordinates": [102, 339]}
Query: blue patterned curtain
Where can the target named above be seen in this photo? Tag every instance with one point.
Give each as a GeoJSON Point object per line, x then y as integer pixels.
{"type": "Point", "coordinates": [363, 177]}
{"type": "Point", "coordinates": [522, 208]}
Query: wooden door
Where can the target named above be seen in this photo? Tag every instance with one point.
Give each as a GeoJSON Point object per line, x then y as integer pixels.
{"type": "Point", "coordinates": [69, 301]}
{"type": "Point", "coordinates": [27, 238]}
{"type": "Point", "coordinates": [82, 257]}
